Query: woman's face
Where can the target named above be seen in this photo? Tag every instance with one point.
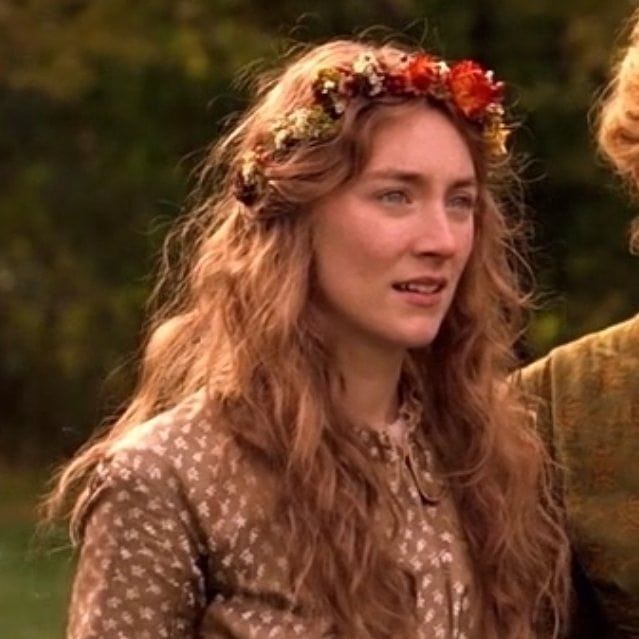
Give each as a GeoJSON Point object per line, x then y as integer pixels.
{"type": "Point", "coordinates": [391, 244]}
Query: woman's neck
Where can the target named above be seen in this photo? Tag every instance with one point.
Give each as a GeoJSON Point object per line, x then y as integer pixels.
{"type": "Point", "coordinates": [370, 381]}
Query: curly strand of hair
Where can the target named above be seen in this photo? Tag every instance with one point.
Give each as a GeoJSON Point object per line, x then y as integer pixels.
{"type": "Point", "coordinates": [617, 120]}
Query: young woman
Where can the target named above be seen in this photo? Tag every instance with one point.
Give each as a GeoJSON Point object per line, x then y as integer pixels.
{"type": "Point", "coordinates": [321, 444]}
{"type": "Point", "coordinates": [589, 412]}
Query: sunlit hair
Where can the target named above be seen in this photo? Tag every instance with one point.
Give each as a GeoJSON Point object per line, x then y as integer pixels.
{"type": "Point", "coordinates": [618, 121]}
{"type": "Point", "coordinates": [242, 326]}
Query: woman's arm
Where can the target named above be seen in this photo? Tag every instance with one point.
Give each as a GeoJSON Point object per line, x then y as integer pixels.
{"type": "Point", "coordinates": [139, 572]}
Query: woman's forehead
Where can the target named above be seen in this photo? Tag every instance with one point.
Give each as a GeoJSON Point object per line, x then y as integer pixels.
{"type": "Point", "coordinates": [418, 140]}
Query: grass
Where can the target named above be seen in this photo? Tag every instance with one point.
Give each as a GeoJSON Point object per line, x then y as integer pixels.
{"type": "Point", "coordinates": [34, 575]}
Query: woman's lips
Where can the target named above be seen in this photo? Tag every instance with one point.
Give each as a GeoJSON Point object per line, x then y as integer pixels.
{"type": "Point", "coordinates": [423, 291]}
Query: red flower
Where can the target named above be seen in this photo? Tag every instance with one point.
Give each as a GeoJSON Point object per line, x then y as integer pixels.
{"type": "Point", "coordinates": [422, 71]}
{"type": "Point", "coordinates": [395, 83]}
{"type": "Point", "coordinates": [473, 89]}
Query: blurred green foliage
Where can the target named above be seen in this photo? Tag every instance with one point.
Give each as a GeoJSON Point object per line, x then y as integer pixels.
{"type": "Point", "coordinates": [106, 105]}
{"type": "Point", "coordinates": [34, 571]}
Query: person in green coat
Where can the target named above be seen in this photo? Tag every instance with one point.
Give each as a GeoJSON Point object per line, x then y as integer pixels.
{"type": "Point", "coordinates": [587, 403]}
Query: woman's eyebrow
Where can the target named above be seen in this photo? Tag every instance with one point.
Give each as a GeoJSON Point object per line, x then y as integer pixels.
{"type": "Point", "coordinates": [397, 175]}
{"type": "Point", "coordinates": [416, 178]}
{"type": "Point", "coordinates": [469, 182]}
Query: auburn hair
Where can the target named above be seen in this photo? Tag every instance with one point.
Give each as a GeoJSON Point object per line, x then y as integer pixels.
{"type": "Point", "coordinates": [239, 321]}
{"type": "Point", "coordinates": [618, 118]}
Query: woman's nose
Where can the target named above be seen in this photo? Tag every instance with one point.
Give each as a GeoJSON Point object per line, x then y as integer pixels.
{"type": "Point", "coordinates": [437, 232]}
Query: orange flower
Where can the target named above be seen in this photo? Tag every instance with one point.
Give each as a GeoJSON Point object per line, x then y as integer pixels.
{"type": "Point", "coordinates": [473, 89]}
{"type": "Point", "coordinates": [422, 71]}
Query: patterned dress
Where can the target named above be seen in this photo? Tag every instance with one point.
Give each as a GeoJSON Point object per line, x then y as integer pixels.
{"type": "Point", "coordinates": [588, 413]}
{"type": "Point", "coordinates": [180, 539]}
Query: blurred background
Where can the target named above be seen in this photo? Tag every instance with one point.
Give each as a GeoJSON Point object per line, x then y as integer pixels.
{"type": "Point", "coordinates": [106, 106]}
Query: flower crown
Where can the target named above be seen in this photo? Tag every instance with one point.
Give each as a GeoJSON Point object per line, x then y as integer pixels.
{"type": "Point", "coordinates": [466, 86]}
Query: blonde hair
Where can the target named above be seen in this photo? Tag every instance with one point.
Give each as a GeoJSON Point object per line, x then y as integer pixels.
{"type": "Point", "coordinates": [618, 121]}
{"type": "Point", "coordinates": [242, 326]}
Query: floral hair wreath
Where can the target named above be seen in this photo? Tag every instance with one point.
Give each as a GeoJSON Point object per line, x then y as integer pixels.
{"type": "Point", "coordinates": [466, 86]}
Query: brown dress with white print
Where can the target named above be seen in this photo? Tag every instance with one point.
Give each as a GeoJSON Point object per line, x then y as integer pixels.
{"type": "Point", "coordinates": [179, 540]}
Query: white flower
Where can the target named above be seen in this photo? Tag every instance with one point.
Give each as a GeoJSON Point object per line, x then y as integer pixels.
{"type": "Point", "coordinates": [363, 63]}
{"type": "Point", "coordinates": [280, 139]}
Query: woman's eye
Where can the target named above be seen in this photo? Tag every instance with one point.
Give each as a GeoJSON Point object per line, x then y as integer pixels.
{"type": "Point", "coordinates": [464, 202]}
{"type": "Point", "coordinates": [394, 197]}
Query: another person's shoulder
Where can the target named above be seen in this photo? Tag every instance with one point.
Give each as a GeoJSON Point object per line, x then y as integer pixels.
{"type": "Point", "coordinates": [617, 341]}
{"type": "Point", "coordinates": [605, 359]}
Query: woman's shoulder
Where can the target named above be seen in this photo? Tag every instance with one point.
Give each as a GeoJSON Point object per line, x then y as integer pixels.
{"type": "Point", "coordinates": [188, 434]}
{"type": "Point", "coordinates": [184, 458]}
{"type": "Point", "coordinates": [184, 450]}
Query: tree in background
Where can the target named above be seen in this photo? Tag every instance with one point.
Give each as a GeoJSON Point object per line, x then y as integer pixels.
{"type": "Point", "coordinates": [107, 104]}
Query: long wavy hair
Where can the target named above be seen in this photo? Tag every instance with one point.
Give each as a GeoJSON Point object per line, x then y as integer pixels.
{"type": "Point", "coordinates": [617, 124]}
{"type": "Point", "coordinates": [239, 320]}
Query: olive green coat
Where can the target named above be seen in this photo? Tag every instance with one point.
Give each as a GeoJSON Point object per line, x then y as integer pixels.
{"type": "Point", "coordinates": [589, 416]}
